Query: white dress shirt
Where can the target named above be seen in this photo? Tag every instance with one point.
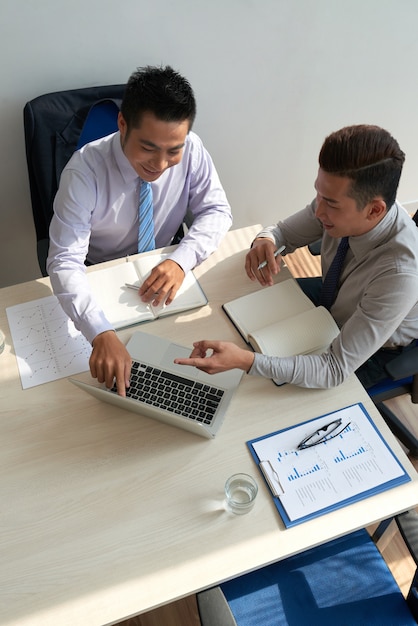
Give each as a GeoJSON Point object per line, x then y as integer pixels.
{"type": "Point", "coordinates": [96, 218]}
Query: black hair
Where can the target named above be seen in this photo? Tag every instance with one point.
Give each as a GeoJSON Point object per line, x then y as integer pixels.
{"type": "Point", "coordinates": [161, 91]}
{"type": "Point", "coordinates": [369, 156]}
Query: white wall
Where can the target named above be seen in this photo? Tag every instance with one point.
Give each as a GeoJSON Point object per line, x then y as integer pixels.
{"type": "Point", "coordinates": [272, 78]}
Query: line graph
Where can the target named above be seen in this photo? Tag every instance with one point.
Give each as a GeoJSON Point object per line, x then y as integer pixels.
{"type": "Point", "coordinates": [46, 342]}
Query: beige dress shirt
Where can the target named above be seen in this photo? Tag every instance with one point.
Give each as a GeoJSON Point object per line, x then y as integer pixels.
{"type": "Point", "coordinates": [377, 301]}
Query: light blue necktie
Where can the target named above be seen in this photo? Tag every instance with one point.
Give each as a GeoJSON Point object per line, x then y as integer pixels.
{"type": "Point", "coordinates": [146, 239]}
{"type": "Point", "coordinates": [330, 284]}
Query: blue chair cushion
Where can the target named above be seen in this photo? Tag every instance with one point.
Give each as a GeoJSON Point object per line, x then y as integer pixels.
{"type": "Point", "coordinates": [344, 582]}
{"type": "Point", "coordinates": [102, 120]}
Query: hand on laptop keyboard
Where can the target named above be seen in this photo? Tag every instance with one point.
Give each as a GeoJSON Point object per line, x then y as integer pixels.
{"type": "Point", "coordinates": [110, 361]}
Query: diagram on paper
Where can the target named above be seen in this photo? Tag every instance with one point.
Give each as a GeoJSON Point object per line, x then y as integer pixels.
{"type": "Point", "coordinates": [46, 342]}
{"type": "Point", "coordinates": [355, 461]}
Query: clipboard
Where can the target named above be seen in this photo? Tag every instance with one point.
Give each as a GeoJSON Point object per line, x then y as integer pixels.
{"type": "Point", "coordinates": [354, 465]}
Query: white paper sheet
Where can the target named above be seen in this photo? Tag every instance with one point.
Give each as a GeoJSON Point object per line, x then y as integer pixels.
{"type": "Point", "coordinates": [309, 480]}
{"type": "Point", "coordinates": [46, 342]}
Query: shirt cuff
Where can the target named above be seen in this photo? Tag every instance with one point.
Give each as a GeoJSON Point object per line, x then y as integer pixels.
{"type": "Point", "coordinates": [90, 328]}
{"type": "Point", "coordinates": [278, 369]}
{"type": "Point", "coordinates": [187, 260]}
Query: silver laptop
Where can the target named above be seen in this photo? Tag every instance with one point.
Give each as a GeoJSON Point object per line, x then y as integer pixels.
{"type": "Point", "coordinates": [178, 395]}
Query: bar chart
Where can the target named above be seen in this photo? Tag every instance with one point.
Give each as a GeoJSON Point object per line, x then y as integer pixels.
{"type": "Point", "coordinates": [354, 463]}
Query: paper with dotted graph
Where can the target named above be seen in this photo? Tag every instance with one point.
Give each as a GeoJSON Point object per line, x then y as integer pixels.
{"type": "Point", "coordinates": [46, 342]}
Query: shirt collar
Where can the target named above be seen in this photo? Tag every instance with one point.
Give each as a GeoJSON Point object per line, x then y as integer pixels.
{"type": "Point", "coordinates": [361, 244]}
{"type": "Point", "coordinates": [127, 171]}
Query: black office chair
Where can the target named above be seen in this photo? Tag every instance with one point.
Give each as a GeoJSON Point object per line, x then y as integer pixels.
{"type": "Point", "coordinates": [345, 581]}
{"type": "Point", "coordinates": [402, 379]}
{"type": "Point", "coordinates": [54, 126]}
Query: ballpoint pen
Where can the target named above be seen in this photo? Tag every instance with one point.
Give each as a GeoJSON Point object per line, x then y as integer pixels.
{"type": "Point", "coordinates": [264, 263]}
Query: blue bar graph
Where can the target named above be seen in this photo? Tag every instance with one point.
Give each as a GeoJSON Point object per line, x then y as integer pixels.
{"type": "Point", "coordinates": [284, 456]}
{"type": "Point", "coordinates": [300, 474]}
{"type": "Point", "coordinates": [344, 457]}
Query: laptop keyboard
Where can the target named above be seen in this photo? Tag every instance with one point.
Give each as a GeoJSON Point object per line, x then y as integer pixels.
{"type": "Point", "coordinates": [173, 393]}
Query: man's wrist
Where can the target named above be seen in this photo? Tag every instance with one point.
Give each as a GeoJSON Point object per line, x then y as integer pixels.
{"type": "Point", "coordinates": [248, 361]}
{"type": "Point", "coordinates": [262, 237]}
{"type": "Point", "coordinates": [104, 332]}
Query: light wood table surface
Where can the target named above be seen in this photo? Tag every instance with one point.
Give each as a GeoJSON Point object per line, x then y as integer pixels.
{"type": "Point", "coordinates": [105, 514]}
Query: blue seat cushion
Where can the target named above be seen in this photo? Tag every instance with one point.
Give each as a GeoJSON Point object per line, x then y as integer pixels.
{"type": "Point", "coordinates": [101, 120]}
{"type": "Point", "coordinates": [344, 582]}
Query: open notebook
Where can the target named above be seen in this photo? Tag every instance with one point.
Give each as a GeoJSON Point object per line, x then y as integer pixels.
{"type": "Point", "coordinates": [175, 394]}
{"type": "Point", "coordinates": [282, 321]}
{"type": "Point", "coordinates": [123, 306]}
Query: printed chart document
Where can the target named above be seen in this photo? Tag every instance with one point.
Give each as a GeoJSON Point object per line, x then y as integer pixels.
{"type": "Point", "coordinates": [124, 307]}
{"type": "Point", "coordinates": [282, 321]}
{"type": "Point", "coordinates": [46, 342]}
{"type": "Point", "coordinates": [306, 483]}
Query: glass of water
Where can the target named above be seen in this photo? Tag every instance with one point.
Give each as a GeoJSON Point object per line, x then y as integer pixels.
{"type": "Point", "coordinates": [240, 492]}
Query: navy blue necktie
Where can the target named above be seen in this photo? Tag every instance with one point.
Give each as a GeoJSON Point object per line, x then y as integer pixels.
{"type": "Point", "coordinates": [330, 284]}
{"type": "Point", "coordinates": [146, 239]}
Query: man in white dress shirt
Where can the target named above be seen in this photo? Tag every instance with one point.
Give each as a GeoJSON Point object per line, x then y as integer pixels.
{"type": "Point", "coordinates": [96, 207]}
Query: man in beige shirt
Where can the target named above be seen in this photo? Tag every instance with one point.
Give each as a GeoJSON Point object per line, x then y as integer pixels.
{"type": "Point", "coordinates": [376, 303]}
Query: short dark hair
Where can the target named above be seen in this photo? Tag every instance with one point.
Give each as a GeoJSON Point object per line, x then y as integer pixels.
{"type": "Point", "coordinates": [160, 90]}
{"type": "Point", "coordinates": [369, 156]}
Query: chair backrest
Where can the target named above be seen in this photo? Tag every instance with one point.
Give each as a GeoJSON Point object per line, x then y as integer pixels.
{"type": "Point", "coordinates": [54, 126]}
{"type": "Point", "coordinates": [402, 374]}
{"type": "Point", "coordinates": [101, 120]}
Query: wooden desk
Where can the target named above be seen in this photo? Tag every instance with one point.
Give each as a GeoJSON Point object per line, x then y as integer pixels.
{"type": "Point", "coordinates": [105, 514]}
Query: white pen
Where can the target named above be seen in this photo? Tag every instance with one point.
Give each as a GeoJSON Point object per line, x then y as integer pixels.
{"type": "Point", "coordinates": [264, 263]}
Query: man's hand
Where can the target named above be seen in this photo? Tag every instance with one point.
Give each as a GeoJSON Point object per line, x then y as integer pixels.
{"type": "Point", "coordinates": [110, 361]}
{"type": "Point", "coordinates": [222, 356]}
{"type": "Point", "coordinates": [163, 283]}
{"type": "Point", "coordinates": [262, 250]}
